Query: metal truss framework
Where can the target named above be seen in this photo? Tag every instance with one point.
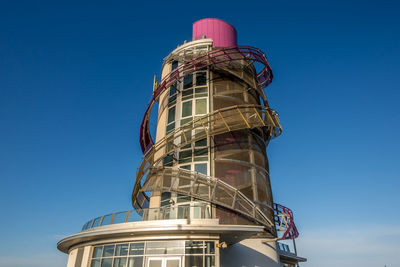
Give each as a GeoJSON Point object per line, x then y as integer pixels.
{"type": "Point", "coordinates": [202, 187]}
{"type": "Point", "coordinates": [221, 121]}
{"type": "Point", "coordinates": [209, 189]}
{"type": "Point", "coordinates": [285, 222]}
{"type": "Point", "coordinates": [212, 58]}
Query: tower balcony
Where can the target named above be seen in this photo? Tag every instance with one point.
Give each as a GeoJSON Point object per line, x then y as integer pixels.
{"type": "Point", "coordinates": [168, 222]}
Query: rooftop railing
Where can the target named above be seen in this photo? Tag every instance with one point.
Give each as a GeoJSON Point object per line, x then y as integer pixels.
{"type": "Point", "coordinates": [183, 211]}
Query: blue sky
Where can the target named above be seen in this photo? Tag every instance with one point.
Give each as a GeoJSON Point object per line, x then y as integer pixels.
{"type": "Point", "coordinates": [75, 78]}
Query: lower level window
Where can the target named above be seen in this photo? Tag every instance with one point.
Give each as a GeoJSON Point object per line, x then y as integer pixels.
{"type": "Point", "coordinates": [173, 253]}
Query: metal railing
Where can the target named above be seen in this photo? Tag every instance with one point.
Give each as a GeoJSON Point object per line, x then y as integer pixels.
{"type": "Point", "coordinates": [218, 122]}
{"type": "Point", "coordinates": [212, 58]}
{"type": "Point", "coordinates": [180, 211]}
{"type": "Point", "coordinates": [206, 188]}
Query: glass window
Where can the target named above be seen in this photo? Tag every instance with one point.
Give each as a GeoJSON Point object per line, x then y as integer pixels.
{"type": "Point", "coordinates": [135, 262]}
{"type": "Point", "coordinates": [106, 262]}
{"type": "Point", "coordinates": [119, 262]}
{"type": "Point", "coordinates": [184, 211]}
{"type": "Point", "coordinates": [201, 154]}
{"type": "Point", "coordinates": [202, 142]}
{"type": "Point", "coordinates": [185, 156]}
{"type": "Point", "coordinates": [108, 251]}
{"type": "Point", "coordinates": [193, 261]}
{"type": "Point", "coordinates": [188, 81]}
{"type": "Point", "coordinates": [187, 109]}
{"type": "Point", "coordinates": [173, 263]}
{"type": "Point", "coordinates": [97, 252]}
{"type": "Point", "coordinates": [136, 249]}
{"type": "Point", "coordinates": [121, 250]}
{"type": "Point", "coordinates": [201, 78]}
{"type": "Point", "coordinates": [210, 261]}
{"type": "Point", "coordinates": [210, 247]}
{"type": "Point", "coordinates": [183, 198]}
{"type": "Point", "coordinates": [201, 106]}
{"type": "Point", "coordinates": [194, 247]}
{"type": "Point", "coordinates": [168, 247]}
{"type": "Point", "coordinates": [201, 168]}
{"type": "Point", "coordinates": [119, 217]}
{"type": "Point", "coordinates": [184, 121]}
{"type": "Point", "coordinates": [168, 161]}
{"type": "Point", "coordinates": [165, 197]}
{"type": "Point", "coordinates": [95, 263]}
{"type": "Point", "coordinates": [171, 115]}
{"type": "Point", "coordinates": [106, 219]}
{"type": "Point", "coordinates": [174, 64]}
{"type": "Point", "coordinates": [187, 93]}
{"type": "Point", "coordinates": [201, 91]}
{"type": "Point", "coordinates": [170, 127]}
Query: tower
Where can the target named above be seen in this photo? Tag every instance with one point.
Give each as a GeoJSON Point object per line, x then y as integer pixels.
{"type": "Point", "coordinates": [202, 194]}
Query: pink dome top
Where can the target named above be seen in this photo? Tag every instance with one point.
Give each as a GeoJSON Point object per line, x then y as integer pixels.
{"type": "Point", "coordinates": [222, 33]}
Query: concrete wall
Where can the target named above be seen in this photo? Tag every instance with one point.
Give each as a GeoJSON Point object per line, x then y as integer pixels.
{"type": "Point", "coordinates": [250, 253]}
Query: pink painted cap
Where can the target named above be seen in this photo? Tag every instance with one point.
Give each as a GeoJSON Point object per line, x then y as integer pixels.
{"type": "Point", "coordinates": [222, 33]}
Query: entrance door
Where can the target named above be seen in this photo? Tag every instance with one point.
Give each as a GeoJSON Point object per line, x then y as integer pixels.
{"type": "Point", "coordinates": [164, 262]}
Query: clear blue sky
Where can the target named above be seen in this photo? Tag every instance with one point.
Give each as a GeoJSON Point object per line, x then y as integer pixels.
{"type": "Point", "coordinates": [75, 78]}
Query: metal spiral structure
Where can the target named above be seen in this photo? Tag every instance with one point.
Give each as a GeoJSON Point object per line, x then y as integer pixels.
{"type": "Point", "coordinates": [150, 177]}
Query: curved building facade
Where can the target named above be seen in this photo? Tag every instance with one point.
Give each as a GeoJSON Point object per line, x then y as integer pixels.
{"type": "Point", "coordinates": [202, 195]}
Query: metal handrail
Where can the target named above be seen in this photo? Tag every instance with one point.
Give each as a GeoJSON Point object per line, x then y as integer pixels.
{"type": "Point", "coordinates": [218, 122]}
{"type": "Point", "coordinates": [215, 57]}
{"type": "Point", "coordinates": [171, 212]}
{"type": "Point", "coordinates": [167, 179]}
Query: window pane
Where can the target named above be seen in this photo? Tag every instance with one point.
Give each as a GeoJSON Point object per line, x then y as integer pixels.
{"type": "Point", "coordinates": [169, 247]}
{"type": "Point", "coordinates": [171, 115]}
{"type": "Point", "coordinates": [201, 106]}
{"type": "Point", "coordinates": [168, 161]}
{"type": "Point", "coordinates": [136, 249]}
{"type": "Point", "coordinates": [187, 109]}
{"type": "Point", "coordinates": [174, 64]}
{"type": "Point", "coordinates": [201, 78]}
{"type": "Point", "coordinates": [95, 263]}
{"type": "Point", "coordinates": [119, 262]}
{"type": "Point", "coordinates": [202, 142]}
{"type": "Point", "coordinates": [165, 197]}
{"type": "Point", "coordinates": [194, 247]}
{"type": "Point", "coordinates": [97, 252]}
{"type": "Point", "coordinates": [173, 263]}
{"type": "Point", "coordinates": [106, 219]}
{"type": "Point", "coordinates": [182, 199]}
{"type": "Point", "coordinates": [210, 247]}
{"type": "Point", "coordinates": [119, 217]}
{"type": "Point", "coordinates": [121, 250]}
{"type": "Point", "coordinates": [200, 152]}
{"type": "Point", "coordinates": [184, 121]}
{"type": "Point", "coordinates": [170, 127]}
{"type": "Point", "coordinates": [188, 81]}
{"type": "Point", "coordinates": [108, 251]}
{"type": "Point", "coordinates": [106, 262]}
{"type": "Point", "coordinates": [183, 211]}
{"type": "Point", "coordinates": [201, 91]}
{"type": "Point", "coordinates": [193, 261]}
{"type": "Point", "coordinates": [155, 263]}
{"type": "Point", "coordinates": [186, 94]}
{"type": "Point", "coordinates": [135, 262]}
{"type": "Point", "coordinates": [186, 167]}
{"type": "Point", "coordinates": [172, 89]}
{"type": "Point", "coordinates": [185, 155]}
{"type": "Point", "coordinates": [210, 261]}
{"type": "Point", "coordinates": [201, 168]}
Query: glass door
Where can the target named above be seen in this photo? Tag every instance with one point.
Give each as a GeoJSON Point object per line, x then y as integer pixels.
{"type": "Point", "coordinates": [164, 262]}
